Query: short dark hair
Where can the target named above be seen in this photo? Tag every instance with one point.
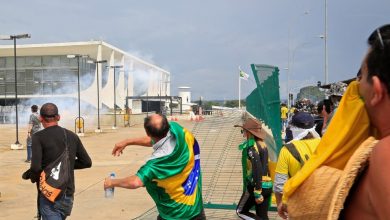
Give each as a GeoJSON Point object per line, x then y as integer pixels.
{"type": "Point", "coordinates": [379, 56]}
{"type": "Point", "coordinates": [34, 108]}
{"type": "Point", "coordinates": [157, 132]}
{"type": "Point", "coordinates": [48, 110]}
{"type": "Point", "coordinates": [328, 106]}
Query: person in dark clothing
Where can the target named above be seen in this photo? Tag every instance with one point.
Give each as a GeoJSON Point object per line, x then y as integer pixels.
{"type": "Point", "coordinates": [47, 145]}
{"type": "Point", "coordinates": [257, 185]}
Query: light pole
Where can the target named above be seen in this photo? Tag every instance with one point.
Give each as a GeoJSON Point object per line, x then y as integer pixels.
{"type": "Point", "coordinates": [326, 43]}
{"type": "Point", "coordinates": [17, 145]}
{"type": "Point", "coordinates": [98, 62]}
{"type": "Point", "coordinates": [115, 67]}
{"type": "Point", "coordinates": [3, 79]}
{"type": "Point", "coordinates": [78, 90]}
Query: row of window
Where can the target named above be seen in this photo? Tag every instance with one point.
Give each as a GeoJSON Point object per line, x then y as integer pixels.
{"type": "Point", "coordinates": [39, 75]}
{"type": "Point", "coordinates": [49, 88]}
{"type": "Point", "coordinates": [39, 61]}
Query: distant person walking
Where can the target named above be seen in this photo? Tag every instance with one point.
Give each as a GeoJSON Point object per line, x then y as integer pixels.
{"type": "Point", "coordinates": [284, 115]}
{"type": "Point", "coordinates": [172, 175]}
{"type": "Point", "coordinates": [34, 125]}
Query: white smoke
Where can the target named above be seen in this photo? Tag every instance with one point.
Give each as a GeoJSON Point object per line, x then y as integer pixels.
{"type": "Point", "coordinates": [48, 87]}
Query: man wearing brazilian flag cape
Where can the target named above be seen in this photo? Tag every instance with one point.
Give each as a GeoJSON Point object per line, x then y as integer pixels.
{"type": "Point", "coordinates": [172, 175]}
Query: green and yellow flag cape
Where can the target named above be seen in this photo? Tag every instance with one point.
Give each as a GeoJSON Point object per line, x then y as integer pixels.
{"type": "Point", "coordinates": [174, 181]}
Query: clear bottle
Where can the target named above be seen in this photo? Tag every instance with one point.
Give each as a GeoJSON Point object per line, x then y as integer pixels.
{"type": "Point", "coordinates": [109, 192]}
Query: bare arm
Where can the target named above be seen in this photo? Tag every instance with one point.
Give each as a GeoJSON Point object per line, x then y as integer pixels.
{"type": "Point", "coordinates": [131, 182]}
{"type": "Point", "coordinates": [30, 125]}
{"type": "Point", "coordinates": [379, 181]}
{"type": "Point", "coordinates": [120, 146]}
{"type": "Point", "coordinates": [280, 180]}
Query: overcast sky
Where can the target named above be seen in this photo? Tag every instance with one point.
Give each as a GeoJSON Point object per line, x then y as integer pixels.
{"type": "Point", "coordinates": [203, 42]}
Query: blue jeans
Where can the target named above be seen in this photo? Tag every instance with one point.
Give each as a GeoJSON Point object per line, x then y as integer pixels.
{"type": "Point", "coordinates": [29, 151]}
{"type": "Point", "coordinates": [58, 210]}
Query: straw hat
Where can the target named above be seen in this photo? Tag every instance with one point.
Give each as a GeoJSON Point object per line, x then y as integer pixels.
{"type": "Point", "coordinates": [323, 194]}
{"type": "Point", "coordinates": [254, 127]}
{"type": "Point", "coordinates": [355, 166]}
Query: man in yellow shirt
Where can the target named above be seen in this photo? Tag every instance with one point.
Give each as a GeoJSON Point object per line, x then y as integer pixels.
{"type": "Point", "coordinates": [283, 115]}
{"type": "Point", "coordinates": [294, 154]}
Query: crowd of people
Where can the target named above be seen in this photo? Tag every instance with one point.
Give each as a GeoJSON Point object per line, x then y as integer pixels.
{"type": "Point", "coordinates": [172, 174]}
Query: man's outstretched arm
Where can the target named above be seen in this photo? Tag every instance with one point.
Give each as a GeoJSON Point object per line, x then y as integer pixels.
{"type": "Point", "coordinates": [131, 182]}
{"type": "Point", "coordinates": [120, 146]}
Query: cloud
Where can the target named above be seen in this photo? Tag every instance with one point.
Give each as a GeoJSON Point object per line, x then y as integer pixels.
{"type": "Point", "coordinates": [202, 42]}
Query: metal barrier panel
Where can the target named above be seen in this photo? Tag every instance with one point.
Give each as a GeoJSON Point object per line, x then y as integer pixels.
{"type": "Point", "coordinates": [264, 101]}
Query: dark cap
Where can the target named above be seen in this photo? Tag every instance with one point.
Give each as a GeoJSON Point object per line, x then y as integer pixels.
{"type": "Point", "coordinates": [302, 120]}
{"type": "Point", "coordinates": [254, 127]}
{"type": "Point", "coordinates": [48, 110]}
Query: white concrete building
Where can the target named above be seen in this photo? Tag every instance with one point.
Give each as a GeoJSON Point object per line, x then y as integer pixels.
{"type": "Point", "coordinates": [46, 72]}
{"type": "Point", "coordinates": [185, 94]}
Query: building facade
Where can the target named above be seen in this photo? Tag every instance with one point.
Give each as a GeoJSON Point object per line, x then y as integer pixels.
{"type": "Point", "coordinates": [58, 71]}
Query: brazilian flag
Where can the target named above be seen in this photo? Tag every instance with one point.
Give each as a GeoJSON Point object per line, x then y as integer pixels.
{"type": "Point", "coordinates": [174, 181]}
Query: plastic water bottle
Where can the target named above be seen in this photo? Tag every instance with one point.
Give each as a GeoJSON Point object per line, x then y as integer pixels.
{"type": "Point", "coordinates": [109, 192]}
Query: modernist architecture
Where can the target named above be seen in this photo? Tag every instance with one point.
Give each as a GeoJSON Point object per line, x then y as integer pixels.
{"type": "Point", "coordinates": [51, 72]}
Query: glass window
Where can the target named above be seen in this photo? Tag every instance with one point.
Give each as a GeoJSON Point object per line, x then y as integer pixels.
{"type": "Point", "coordinates": [10, 77]}
{"type": "Point", "coordinates": [29, 75]}
{"type": "Point", "coordinates": [37, 76]}
{"type": "Point", "coordinates": [126, 79]}
{"type": "Point", "coordinates": [21, 89]}
{"type": "Point", "coordinates": [2, 62]}
{"type": "Point", "coordinates": [35, 61]}
{"type": "Point", "coordinates": [21, 61]}
{"type": "Point", "coordinates": [68, 75]}
{"type": "Point", "coordinates": [2, 76]}
{"type": "Point", "coordinates": [46, 61]}
{"type": "Point", "coordinates": [47, 89]}
{"type": "Point", "coordinates": [64, 87]}
{"type": "Point", "coordinates": [9, 62]}
{"type": "Point", "coordinates": [48, 75]}
{"type": "Point", "coordinates": [56, 61]}
{"type": "Point", "coordinates": [104, 75]}
{"type": "Point", "coordinates": [10, 88]}
{"type": "Point", "coordinates": [21, 76]}
{"type": "Point", "coordinates": [65, 61]}
{"type": "Point", "coordinates": [37, 89]}
{"type": "Point", "coordinates": [29, 88]}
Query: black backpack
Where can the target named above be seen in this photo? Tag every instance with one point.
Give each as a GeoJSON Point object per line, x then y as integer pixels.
{"type": "Point", "coordinates": [54, 178]}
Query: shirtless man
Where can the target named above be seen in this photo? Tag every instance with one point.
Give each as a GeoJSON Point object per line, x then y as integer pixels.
{"type": "Point", "coordinates": [370, 197]}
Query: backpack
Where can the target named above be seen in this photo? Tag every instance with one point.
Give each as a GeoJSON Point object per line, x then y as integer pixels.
{"type": "Point", "coordinates": [54, 178]}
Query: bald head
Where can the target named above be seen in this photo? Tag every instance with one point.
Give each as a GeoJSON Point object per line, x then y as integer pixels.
{"type": "Point", "coordinates": [49, 112]}
{"type": "Point", "coordinates": [156, 126]}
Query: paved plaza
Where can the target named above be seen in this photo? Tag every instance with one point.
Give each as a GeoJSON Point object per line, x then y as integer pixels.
{"type": "Point", "coordinates": [18, 196]}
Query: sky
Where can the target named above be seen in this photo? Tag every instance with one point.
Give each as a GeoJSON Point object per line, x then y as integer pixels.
{"type": "Point", "coordinates": [203, 42]}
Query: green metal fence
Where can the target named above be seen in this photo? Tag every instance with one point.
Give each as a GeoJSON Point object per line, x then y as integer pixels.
{"type": "Point", "coordinates": [264, 101]}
